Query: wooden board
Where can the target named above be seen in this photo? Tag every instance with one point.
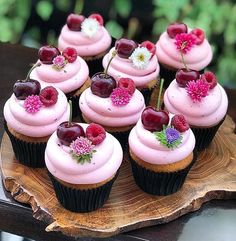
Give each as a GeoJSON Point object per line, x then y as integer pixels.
{"type": "Point", "coordinates": [213, 176]}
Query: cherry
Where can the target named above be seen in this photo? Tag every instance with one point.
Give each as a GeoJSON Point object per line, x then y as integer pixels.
{"type": "Point", "coordinates": [125, 47]}
{"type": "Point", "coordinates": [153, 120]}
{"type": "Point", "coordinates": [98, 17]}
{"type": "Point", "coordinates": [48, 53]}
{"type": "Point", "coordinates": [68, 132]}
{"type": "Point", "coordinates": [22, 88]}
{"type": "Point", "coordinates": [74, 21]}
{"type": "Point", "coordinates": [150, 46]}
{"type": "Point", "coordinates": [199, 34]}
{"type": "Point", "coordinates": [176, 28]}
{"type": "Point", "coordinates": [102, 84]}
{"type": "Point", "coordinates": [183, 76]}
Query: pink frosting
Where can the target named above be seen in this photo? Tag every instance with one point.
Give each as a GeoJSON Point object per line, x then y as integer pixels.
{"type": "Point", "coordinates": [209, 111]}
{"type": "Point", "coordinates": [144, 145]}
{"type": "Point", "coordinates": [121, 67]}
{"type": "Point", "coordinates": [84, 45]}
{"type": "Point", "coordinates": [102, 111]}
{"type": "Point", "coordinates": [40, 124]}
{"type": "Point", "coordinates": [68, 79]}
{"type": "Point", "coordinates": [104, 163]}
{"type": "Point", "coordinates": [197, 58]}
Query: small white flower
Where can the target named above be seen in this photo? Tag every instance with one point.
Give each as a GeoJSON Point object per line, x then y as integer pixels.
{"type": "Point", "coordinates": [140, 57]}
{"type": "Point", "coordinates": [90, 27]}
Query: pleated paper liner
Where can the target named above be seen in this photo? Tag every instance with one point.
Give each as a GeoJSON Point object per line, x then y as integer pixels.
{"type": "Point", "coordinates": [27, 153]}
{"type": "Point", "coordinates": [82, 201]}
{"type": "Point", "coordinates": [159, 183]}
{"type": "Point", "coordinates": [204, 136]}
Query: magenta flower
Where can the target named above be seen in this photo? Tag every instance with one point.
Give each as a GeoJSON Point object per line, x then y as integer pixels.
{"type": "Point", "coordinates": [197, 89]}
{"type": "Point", "coordinates": [59, 62]}
{"type": "Point", "coordinates": [120, 97]}
{"type": "Point", "coordinates": [82, 150]}
{"type": "Point", "coordinates": [184, 42]}
{"type": "Point", "coordinates": [32, 104]}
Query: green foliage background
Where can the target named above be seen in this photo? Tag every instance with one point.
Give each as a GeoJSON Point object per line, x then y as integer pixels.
{"type": "Point", "coordinates": [216, 17]}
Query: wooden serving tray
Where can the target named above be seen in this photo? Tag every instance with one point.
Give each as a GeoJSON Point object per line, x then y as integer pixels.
{"type": "Point", "coordinates": [213, 176]}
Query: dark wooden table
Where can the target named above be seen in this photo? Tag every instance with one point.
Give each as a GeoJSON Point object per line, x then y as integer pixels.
{"type": "Point", "coordinates": [215, 221]}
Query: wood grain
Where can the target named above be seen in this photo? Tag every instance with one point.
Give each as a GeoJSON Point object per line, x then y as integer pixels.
{"type": "Point", "coordinates": [213, 176]}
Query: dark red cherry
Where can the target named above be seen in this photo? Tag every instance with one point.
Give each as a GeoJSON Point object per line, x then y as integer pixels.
{"type": "Point", "coordinates": [68, 132]}
{"type": "Point", "coordinates": [48, 53]}
{"type": "Point", "coordinates": [183, 76]}
{"type": "Point", "coordinates": [23, 88]}
{"type": "Point", "coordinates": [176, 28]}
{"type": "Point", "coordinates": [154, 120]}
{"type": "Point", "coordinates": [102, 84]}
{"type": "Point", "coordinates": [125, 47]}
{"type": "Point", "coordinates": [74, 21]}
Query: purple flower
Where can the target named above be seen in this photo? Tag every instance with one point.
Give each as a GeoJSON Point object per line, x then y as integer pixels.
{"type": "Point", "coordinates": [59, 62]}
{"type": "Point", "coordinates": [172, 135]}
{"type": "Point", "coordinates": [81, 146]}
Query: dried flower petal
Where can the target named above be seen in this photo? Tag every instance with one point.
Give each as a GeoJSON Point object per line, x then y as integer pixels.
{"type": "Point", "coordinates": [32, 104]}
{"type": "Point", "coordinates": [184, 42]}
{"type": "Point", "coordinates": [120, 97]}
{"type": "Point", "coordinates": [140, 57]}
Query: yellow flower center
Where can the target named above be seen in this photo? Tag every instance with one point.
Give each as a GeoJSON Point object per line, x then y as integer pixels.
{"type": "Point", "coordinates": [141, 57]}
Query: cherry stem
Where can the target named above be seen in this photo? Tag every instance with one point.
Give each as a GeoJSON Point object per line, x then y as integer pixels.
{"type": "Point", "coordinates": [70, 117]}
{"type": "Point", "coordinates": [112, 57]}
{"type": "Point", "coordinates": [182, 56]}
{"type": "Point", "coordinates": [31, 69]}
{"type": "Point", "coordinates": [159, 95]}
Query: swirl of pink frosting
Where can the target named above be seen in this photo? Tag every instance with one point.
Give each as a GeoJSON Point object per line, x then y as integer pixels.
{"type": "Point", "coordinates": [39, 124]}
{"type": "Point", "coordinates": [121, 67]}
{"type": "Point", "coordinates": [208, 112]}
{"type": "Point", "coordinates": [102, 111]}
{"type": "Point", "coordinates": [68, 79]}
{"type": "Point", "coordinates": [84, 45]}
{"type": "Point", "coordinates": [197, 58]}
{"type": "Point", "coordinates": [144, 145]}
{"type": "Point", "coordinates": [104, 163]}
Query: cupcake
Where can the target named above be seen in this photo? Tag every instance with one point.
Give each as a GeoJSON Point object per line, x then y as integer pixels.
{"type": "Point", "coordinates": [115, 106]}
{"type": "Point", "coordinates": [179, 42]}
{"type": "Point", "coordinates": [65, 71]}
{"type": "Point", "coordinates": [135, 61]}
{"type": "Point", "coordinates": [82, 162]}
{"type": "Point", "coordinates": [201, 100]}
{"type": "Point", "coordinates": [161, 153]}
{"type": "Point", "coordinates": [31, 115]}
{"type": "Point", "coordinates": [88, 36]}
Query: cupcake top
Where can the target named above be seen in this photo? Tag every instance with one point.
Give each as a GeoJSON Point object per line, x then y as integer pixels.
{"type": "Point", "coordinates": [87, 35]}
{"type": "Point", "coordinates": [203, 101]}
{"type": "Point", "coordinates": [91, 156]}
{"type": "Point", "coordinates": [135, 61]}
{"type": "Point", "coordinates": [33, 111]}
{"type": "Point", "coordinates": [158, 140]}
{"type": "Point", "coordinates": [193, 44]}
{"type": "Point", "coordinates": [112, 104]}
{"type": "Point", "coordinates": [64, 70]}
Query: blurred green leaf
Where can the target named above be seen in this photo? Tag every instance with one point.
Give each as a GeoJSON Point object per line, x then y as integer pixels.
{"type": "Point", "coordinates": [63, 5]}
{"type": "Point", "coordinates": [44, 9]}
{"type": "Point", "coordinates": [79, 5]}
{"type": "Point", "coordinates": [5, 34]}
{"type": "Point", "coordinates": [159, 26]}
{"type": "Point", "coordinates": [23, 8]}
{"type": "Point", "coordinates": [5, 6]}
{"type": "Point", "coordinates": [123, 7]}
{"type": "Point", "coordinates": [114, 29]}
{"type": "Point", "coordinates": [230, 33]}
{"type": "Point", "coordinates": [51, 38]}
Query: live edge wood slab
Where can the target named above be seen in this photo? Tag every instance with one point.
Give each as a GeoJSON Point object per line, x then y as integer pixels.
{"type": "Point", "coordinates": [213, 176]}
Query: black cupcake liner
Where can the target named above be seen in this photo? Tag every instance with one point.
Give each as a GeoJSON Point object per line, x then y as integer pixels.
{"type": "Point", "coordinates": [82, 201]}
{"type": "Point", "coordinates": [76, 112]}
{"type": "Point", "coordinates": [159, 183]}
{"type": "Point", "coordinates": [122, 137]}
{"type": "Point", "coordinates": [95, 64]}
{"type": "Point", "coordinates": [27, 153]}
{"type": "Point", "coordinates": [204, 136]}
